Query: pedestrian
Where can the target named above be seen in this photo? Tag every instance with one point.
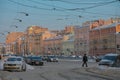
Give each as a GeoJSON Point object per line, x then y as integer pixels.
{"type": "Point", "coordinates": [85, 59]}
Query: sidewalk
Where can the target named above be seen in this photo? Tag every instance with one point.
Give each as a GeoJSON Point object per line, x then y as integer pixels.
{"type": "Point", "coordinates": [107, 73]}
{"type": "Point", "coordinates": [110, 72]}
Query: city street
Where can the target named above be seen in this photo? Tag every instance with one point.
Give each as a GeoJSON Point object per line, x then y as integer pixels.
{"type": "Point", "coordinates": [53, 39]}
{"type": "Point", "coordinates": [63, 70]}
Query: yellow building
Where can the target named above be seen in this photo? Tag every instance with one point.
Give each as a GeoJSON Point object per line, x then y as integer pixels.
{"type": "Point", "coordinates": [11, 45]}
{"type": "Point", "coordinates": [34, 39]}
{"type": "Point", "coordinates": [53, 45]}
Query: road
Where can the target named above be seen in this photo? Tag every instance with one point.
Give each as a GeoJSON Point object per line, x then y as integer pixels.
{"type": "Point", "coordinates": [62, 70]}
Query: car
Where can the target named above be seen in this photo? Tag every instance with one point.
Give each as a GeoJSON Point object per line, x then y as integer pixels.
{"type": "Point", "coordinates": [98, 58]}
{"type": "Point", "coordinates": [111, 59]}
{"type": "Point", "coordinates": [14, 63]}
{"type": "Point", "coordinates": [34, 60]}
{"type": "Point", "coordinates": [44, 57]}
{"type": "Point", "coordinates": [52, 58]}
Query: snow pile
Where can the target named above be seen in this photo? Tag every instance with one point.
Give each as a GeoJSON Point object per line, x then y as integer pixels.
{"type": "Point", "coordinates": [1, 64]}
{"type": "Point", "coordinates": [107, 68]}
{"type": "Point", "coordinates": [29, 67]}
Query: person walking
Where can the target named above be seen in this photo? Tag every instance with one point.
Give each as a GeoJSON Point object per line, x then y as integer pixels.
{"type": "Point", "coordinates": [85, 59]}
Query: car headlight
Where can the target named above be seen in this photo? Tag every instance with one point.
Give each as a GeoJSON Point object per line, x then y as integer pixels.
{"type": "Point", "coordinates": [5, 64]}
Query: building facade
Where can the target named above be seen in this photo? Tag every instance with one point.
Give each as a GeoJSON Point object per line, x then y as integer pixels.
{"type": "Point", "coordinates": [81, 43]}
{"type": "Point", "coordinates": [11, 42]}
{"type": "Point", "coordinates": [103, 39]}
{"type": "Point", "coordinates": [53, 45]}
{"type": "Point", "coordinates": [68, 45]}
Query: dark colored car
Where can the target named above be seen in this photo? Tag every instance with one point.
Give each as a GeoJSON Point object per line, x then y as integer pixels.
{"type": "Point", "coordinates": [99, 58]}
{"type": "Point", "coordinates": [34, 60]}
{"type": "Point", "coordinates": [51, 58]}
{"type": "Point", "coordinates": [112, 60]}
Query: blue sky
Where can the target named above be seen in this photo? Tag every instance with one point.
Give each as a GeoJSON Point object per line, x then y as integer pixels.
{"type": "Point", "coordinates": [54, 14]}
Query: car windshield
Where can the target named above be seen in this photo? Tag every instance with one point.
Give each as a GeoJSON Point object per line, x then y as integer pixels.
{"type": "Point", "coordinates": [109, 57]}
{"type": "Point", "coordinates": [51, 56]}
{"type": "Point", "coordinates": [14, 59]}
{"type": "Point", "coordinates": [19, 59]}
{"type": "Point", "coordinates": [36, 58]}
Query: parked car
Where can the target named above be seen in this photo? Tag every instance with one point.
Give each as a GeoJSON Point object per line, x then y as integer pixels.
{"type": "Point", "coordinates": [44, 57]}
{"type": "Point", "coordinates": [52, 58]}
{"type": "Point", "coordinates": [34, 60]}
{"type": "Point", "coordinates": [98, 58]}
{"type": "Point", "coordinates": [14, 63]}
{"type": "Point", "coordinates": [111, 59]}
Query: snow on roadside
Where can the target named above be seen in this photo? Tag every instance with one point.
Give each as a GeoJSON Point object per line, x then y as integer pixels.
{"type": "Point", "coordinates": [108, 68]}
{"type": "Point", "coordinates": [1, 64]}
{"type": "Point", "coordinates": [29, 67]}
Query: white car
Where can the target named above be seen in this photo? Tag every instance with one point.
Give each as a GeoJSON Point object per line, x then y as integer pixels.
{"type": "Point", "coordinates": [51, 58]}
{"type": "Point", "coordinates": [14, 63]}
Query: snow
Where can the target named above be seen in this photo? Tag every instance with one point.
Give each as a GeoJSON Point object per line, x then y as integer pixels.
{"type": "Point", "coordinates": [1, 64]}
{"type": "Point", "coordinates": [29, 67]}
{"type": "Point", "coordinates": [108, 68]}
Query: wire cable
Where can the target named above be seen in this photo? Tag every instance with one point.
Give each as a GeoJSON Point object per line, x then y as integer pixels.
{"type": "Point", "coordinates": [94, 6]}
{"type": "Point", "coordinates": [87, 3]}
{"type": "Point", "coordinates": [75, 9]}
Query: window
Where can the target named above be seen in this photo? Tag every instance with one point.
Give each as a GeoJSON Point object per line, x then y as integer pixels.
{"type": "Point", "coordinates": [118, 46]}
{"type": "Point", "coordinates": [104, 40]}
{"type": "Point", "coordinates": [95, 41]}
{"type": "Point", "coordinates": [95, 48]}
{"type": "Point", "coordinates": [104, 47]}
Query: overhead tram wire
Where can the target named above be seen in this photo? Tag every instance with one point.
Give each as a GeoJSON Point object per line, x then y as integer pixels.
{"type": "Point", "coordinates": [37, 2]}
{"type": "Point", "coordinates": [100, 4]}
{"type": "Point", "coordinates": [56, 7]}
{"type": "Point", "coordinates": [94, 6]}
{"type": "Point", "coordinates": [62, 9]}
{"type": "Point", "coordinates": [75, 9]}
{"type": "Point", "coordinates": [99, 13]}
{"type": "Point", "coordinates": [87, 3]}
{"type": "Point", "coordinates": [35, 7]}
{"type": "Point", "coordinates": [97, 4]}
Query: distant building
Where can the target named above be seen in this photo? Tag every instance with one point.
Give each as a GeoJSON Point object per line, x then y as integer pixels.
{"type": "Point", "coordinates": [103, 39]}
{"type": "Point", "coordinates": [2, 48]}
{"type": "Point", "coordinates": [68, 45]}
{"type": "Point", "coordinates": [53, 45]}
{"type": "Point", "coordinates": [81, 43]}
{"type": "Point", "coordinates": [34, 39]}
{"type": "Point", "coordinates": [11, 45]}
{"type": "Point", "coordinates": [67, 30]}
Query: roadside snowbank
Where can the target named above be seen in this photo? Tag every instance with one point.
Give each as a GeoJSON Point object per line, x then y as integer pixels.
{"type": "Point", "coordinates": [1, 64]}
{"type": "Point", "coordinates": [107, 68]}
{"type": "Point", "coordinates": [29, 67]}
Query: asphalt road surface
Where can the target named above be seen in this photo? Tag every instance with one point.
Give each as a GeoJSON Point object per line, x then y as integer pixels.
{"type": "Point", "coordinates": [62, 70]}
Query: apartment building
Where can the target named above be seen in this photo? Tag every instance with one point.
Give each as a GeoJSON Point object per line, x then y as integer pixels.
{"type": "Point", "coordinates": [103, 39]}
{"type": "Point", "coordinates": [81, 43]}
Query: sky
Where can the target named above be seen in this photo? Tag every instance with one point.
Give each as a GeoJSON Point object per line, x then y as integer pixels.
{"type": "Point", "coordinates": [53, 14]}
